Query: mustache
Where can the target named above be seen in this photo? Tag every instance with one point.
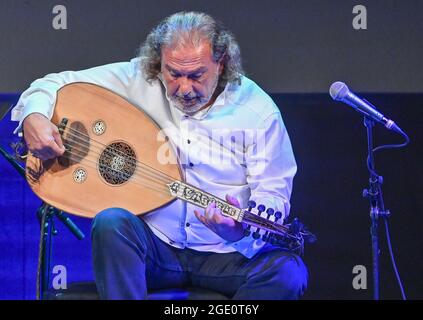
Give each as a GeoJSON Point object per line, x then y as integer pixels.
{"type": "Point", "coordinates": [186, 97]}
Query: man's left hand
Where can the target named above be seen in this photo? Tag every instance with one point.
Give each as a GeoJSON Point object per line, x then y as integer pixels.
{"type": "Point", "coordinates": [226, 227]}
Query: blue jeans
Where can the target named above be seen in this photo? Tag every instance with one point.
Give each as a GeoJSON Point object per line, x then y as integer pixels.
{"type": "Point", "coordinates": [129, 260]}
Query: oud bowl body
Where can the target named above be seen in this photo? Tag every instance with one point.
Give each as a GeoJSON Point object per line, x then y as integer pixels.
{"type": "Point", "coordinates": [113, 156]}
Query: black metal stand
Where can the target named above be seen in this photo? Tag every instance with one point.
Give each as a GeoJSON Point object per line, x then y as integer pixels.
{"type": "Point", "coordinates": [377, 207]}
{"type": "Point", "coordinates": [45, 215]}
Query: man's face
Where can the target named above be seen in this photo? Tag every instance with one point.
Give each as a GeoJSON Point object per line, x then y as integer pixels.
{"type": "Point", "coordinates": [190, 75]}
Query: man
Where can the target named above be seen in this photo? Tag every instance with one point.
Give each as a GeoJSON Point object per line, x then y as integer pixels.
{"type": "Point", "coordinates": [188, 78]}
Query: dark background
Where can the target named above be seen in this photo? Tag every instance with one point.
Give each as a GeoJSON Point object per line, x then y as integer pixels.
{"type": "Point", "coordinates": [294, 50]}
{"type": "Point", "coordinates": [299, 46]}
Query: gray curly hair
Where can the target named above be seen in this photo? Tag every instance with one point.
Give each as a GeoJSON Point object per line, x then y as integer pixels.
{"type": "Point", "coordinates": [191, 26]}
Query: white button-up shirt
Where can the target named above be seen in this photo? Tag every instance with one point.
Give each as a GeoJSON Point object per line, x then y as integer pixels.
{"type": "Point", "coordinates": [238, 146]}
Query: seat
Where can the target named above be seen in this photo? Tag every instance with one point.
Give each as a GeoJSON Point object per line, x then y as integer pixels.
{"type": "Point", "coordinates": [88, 291]}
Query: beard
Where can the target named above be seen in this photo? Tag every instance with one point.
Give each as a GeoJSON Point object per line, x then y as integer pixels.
{"type": "Point", "coordinates": [193, 103]}
{"type": "Point", "coordinates": [190, 106]}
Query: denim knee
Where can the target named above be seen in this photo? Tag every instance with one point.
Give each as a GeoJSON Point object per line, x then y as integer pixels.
{"type": "Point", "coordinates": [293, 276]}
{"type": "Point", "coordinates": [110, 220]}
{"type": "Point", "coordinates": [287, 273]}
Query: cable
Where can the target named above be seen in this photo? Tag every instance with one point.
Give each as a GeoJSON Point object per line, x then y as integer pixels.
{"type": "Point", "coordinates": [388, 240]}
{"type": "Point", "coordinates": [379, 191]}
{"type": "Point", "coordinates": [41, 250]}
{"type": "Point", "coordinates": [385, 147]}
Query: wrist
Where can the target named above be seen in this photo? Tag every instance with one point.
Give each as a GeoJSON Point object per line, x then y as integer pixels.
{"type": "Point", "coordinates": [237, 234]}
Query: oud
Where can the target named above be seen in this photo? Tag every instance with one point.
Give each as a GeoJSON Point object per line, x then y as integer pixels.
{"type": "Point", "coordinates": [106, 165]}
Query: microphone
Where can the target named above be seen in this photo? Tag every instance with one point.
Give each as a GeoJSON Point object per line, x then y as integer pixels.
{"type": "Point", "coordinates": [340, 92]}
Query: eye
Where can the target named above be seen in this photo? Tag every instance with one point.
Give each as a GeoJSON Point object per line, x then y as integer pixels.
{"type": "Point", "coordinates": [174, 74]}
{"type": "Point", "coordinates": [196, 76]}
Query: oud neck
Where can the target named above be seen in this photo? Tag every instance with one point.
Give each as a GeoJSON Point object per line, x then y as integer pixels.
{"type": "Point", "coordinates": [202, 199]}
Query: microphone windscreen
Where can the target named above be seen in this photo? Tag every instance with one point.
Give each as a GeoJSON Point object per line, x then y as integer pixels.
{"type": "Point", "coordinates": [338, 90]}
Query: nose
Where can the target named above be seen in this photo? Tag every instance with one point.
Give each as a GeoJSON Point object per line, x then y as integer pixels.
{"type": "Point", "coordinates": [185, 87]}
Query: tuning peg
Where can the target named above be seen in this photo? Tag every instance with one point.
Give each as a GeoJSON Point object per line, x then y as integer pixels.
{"type": "Point", "coordinates": [247, 232]}
{"type": "Point", "coordinates": [251, 204]}
{"type": "Point", "coordinates": [265, 237]}
{"type": "Point", "coordinates": [256, 235]}
{"type": "Point", "coordinates": [269, 212]}
{"type": "Point", "coordinates": [278, 215]}
{"type": "Point", "coordinates": [261, 208]}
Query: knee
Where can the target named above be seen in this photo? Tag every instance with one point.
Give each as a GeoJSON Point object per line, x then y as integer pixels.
{"type": "Point", "coordinates": [290, 275]}
{"type": "Point", "coordinates": [111, 220]}
{"type": "Point", "coordinates": [115, 229]}
{"type": "Point", "coordinates": [293, 276]}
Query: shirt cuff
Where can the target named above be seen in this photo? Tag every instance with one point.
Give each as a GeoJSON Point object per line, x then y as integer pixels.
{"type": "Point", "coordinates": [38, 103]}
{"type": "Point", "coordinates": [247, 246]}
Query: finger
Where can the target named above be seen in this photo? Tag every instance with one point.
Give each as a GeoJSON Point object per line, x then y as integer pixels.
{"type": "Point", "coordinates": [42, 155]}
{"type": "Point", "coordinates": [55, 149]}
{"type": "Point", "coordinates": [217, 216]}
{"type": "Point", "coordinates": [232, 200]}
{"type": "Point", "coordinates": [58, 138]}
{"type": "Point", "coordinates": [200, 217]}
{"type": "Point", "coordinates": [46, 154]}
{"type": "Point", "coordinates": [37, 152]}
{"type": "Point", "coordinates": [209, 208]}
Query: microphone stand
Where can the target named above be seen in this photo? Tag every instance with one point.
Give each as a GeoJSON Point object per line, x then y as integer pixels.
{"type": "Point", "coordinates": [377, 207]}
{"type": "Point", "coordinates": [45, 215]}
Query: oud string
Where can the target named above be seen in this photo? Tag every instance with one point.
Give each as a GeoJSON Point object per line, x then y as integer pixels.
{"type": "Point", "coordinates": [136, 179]}
{"type": "Point", "coordinates": [141, 168]}
{"type": "Point", "coordinates": [85, 138]}
{"type": "Point", "coordinates": [80, 153]}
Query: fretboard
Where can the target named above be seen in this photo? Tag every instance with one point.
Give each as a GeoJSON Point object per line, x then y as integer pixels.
{"type": "Point", "coordinates": [202, 199]}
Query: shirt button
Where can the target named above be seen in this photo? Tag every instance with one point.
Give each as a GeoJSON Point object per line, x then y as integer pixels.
{"type": "Point", "coordinates": [187, 224]}
{"type": "Point", "coordinates": [189, 141]}
{"type": "Point", "coordinates": [191, 164]}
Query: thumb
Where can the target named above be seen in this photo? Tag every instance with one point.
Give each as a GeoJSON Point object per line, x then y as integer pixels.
{"type": "Point", "coordinates": [232, 200]}
{"type": "Point", "coordinates": [58, 139]}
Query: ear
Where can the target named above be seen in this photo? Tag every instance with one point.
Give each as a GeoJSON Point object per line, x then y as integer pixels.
{"type": "Point", "coordinates": [221, 64]}
{"type": "Point", "coordinates": [221, 67]}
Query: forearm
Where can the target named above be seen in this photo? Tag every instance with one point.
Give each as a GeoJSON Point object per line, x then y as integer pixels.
{"type": "Point", "coordinates": [40, 97]}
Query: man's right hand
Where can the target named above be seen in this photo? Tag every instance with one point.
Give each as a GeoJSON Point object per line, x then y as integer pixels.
{"type": "Point", "coordinates": [42, 137]}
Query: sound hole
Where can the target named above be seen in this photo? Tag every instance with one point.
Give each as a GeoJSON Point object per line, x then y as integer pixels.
{"type": "Point", "coordinates": [117, 163]}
